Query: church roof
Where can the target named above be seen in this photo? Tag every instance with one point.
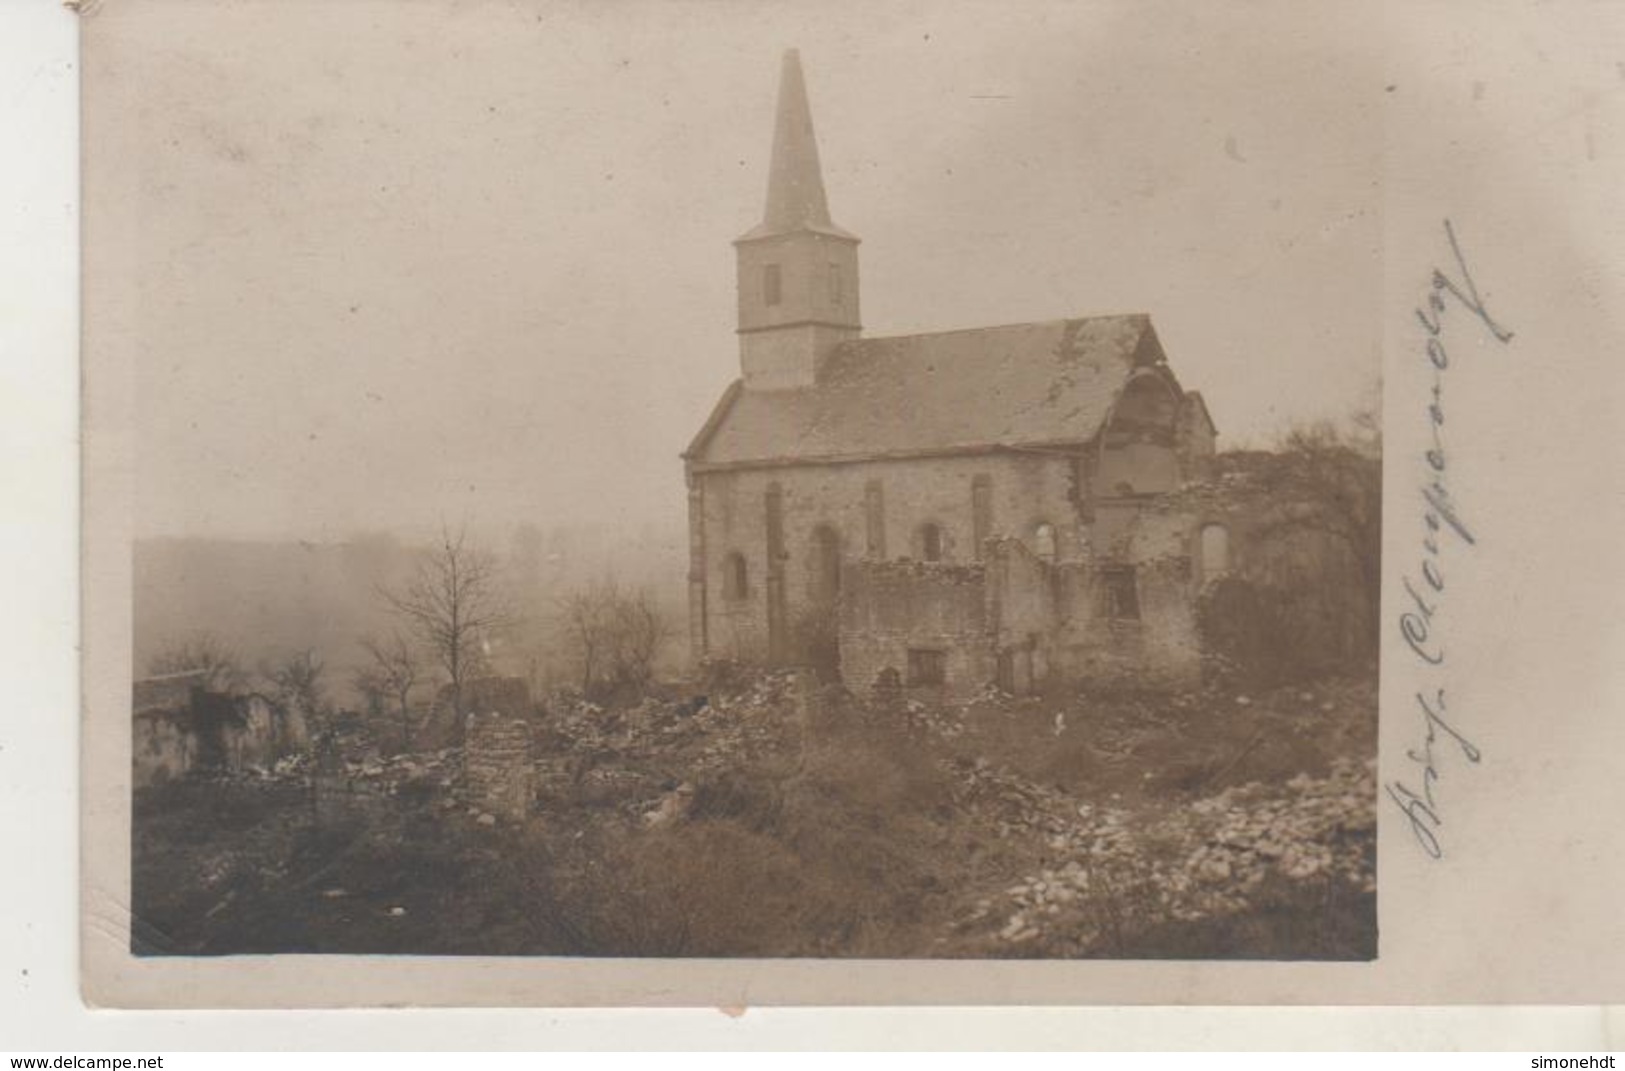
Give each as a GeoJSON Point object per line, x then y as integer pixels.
{"type": "Point", "coordinates": [1050, 383]}
{"type": "Point", "coordinates": [795, 183]}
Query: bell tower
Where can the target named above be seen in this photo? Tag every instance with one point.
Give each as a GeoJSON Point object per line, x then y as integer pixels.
{"type": "Point", "coordinates": [798, 271]}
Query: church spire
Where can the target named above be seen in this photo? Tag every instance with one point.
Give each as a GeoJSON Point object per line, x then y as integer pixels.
{"type": "Point", "coordinates": [795, 182]}
{"type": "Point", "coordinates": [798, 271]}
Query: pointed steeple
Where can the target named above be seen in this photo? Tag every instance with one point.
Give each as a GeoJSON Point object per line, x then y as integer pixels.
{"type": "Point", "coordinates": [795, 182]}
{"type": "Point", "coordinates": [798, 271]}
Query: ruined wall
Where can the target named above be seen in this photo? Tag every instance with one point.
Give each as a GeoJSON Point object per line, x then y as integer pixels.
{"type": "Point", "coordinates": [1137, 468]}
{"type": "Point", "coordinates": [209, 730]}
{"type": "Point", "coordinates": [1197, 440]}
{"type": "Point", "coordinates": [499, 765]}
{"type": "Point", "coordinates": [163, 748]}
{"type": "Point", "coordinates": [1158, 645]}
{"type": "Point", "coordinates": [169, 691]}
{"type": "Point", "coordinates": [889, 608]}
{"type": "Point", "coordinates": [1021, 492]}
{"type": "Point", "coordinates": [1028, 603]}
{"type": "Point", "coordinates": [260, 732]}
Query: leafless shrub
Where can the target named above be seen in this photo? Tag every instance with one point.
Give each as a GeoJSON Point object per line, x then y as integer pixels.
{"type": "Point", "coordinates": [219, 667]}
{"type": "Point", "coordinates": [392, 672]}
{"type": "Point", "coordinates": [617, 636]}
{"type": "Point", "coordinates": [296, 681]}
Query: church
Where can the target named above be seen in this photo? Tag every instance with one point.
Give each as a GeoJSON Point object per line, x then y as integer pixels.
{"type": "Point", "coordinates": [991, 505]}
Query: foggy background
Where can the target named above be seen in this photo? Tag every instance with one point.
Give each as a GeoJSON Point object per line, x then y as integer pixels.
{"type": "Point", "coordinates": [480, 270]}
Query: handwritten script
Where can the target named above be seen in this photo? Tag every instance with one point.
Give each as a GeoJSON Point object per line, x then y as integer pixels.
{"type": "Point", "coordinates": [1452, 297]}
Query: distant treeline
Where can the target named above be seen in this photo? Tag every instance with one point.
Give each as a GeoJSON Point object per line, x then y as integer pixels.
{"type": "Point", "coordinates": [264, 600]}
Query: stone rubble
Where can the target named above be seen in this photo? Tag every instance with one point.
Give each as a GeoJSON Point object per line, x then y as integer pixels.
{"type": "Point", "coordinates": [1192, 861]}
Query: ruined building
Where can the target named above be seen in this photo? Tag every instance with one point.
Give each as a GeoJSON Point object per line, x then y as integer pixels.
{"type": "Point", "coordinates": [963, 508]}
{"type": "Point", "coordinates": [180, 725]}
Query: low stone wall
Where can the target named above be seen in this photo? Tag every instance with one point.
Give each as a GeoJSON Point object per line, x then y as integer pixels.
{"type": "Point", "coordinates": [891, 608]}
{"type": "Point", "coordinates": [499, 768]}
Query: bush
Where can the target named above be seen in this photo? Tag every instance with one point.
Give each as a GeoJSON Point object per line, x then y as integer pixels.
{"type": "Point", "coordinates": [837, 852]}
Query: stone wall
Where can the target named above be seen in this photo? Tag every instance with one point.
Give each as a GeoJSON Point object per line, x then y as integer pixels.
{"type": "Point", "coordinates": [1022, 492]}
{"type": "Point", "coordinates": [163, 748]}
{"type": "Point", "coordinates": [499, 765]}
{"type": "Point", "coordinates": [891, 608]}
{"type": "Point", "coordinates": [179, 727]}
{"type": "Point", "coordinates": [1159, 645]}
{"type": "Point", "coordinates": [1118, 604]}
{"type": "Point", "coordinates": [261, 732]}
{"type": "Point", "coordinates": [1027, 624]}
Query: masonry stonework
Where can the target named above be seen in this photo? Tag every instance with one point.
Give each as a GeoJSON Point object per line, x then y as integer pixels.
{"type": "Point", "coordinates": [893, 613]}
{"type": "Point", "coordinates": [499, 765]}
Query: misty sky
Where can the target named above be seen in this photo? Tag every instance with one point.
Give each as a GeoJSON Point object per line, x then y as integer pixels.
{"type": "Point", "coordinates": [398, 265]}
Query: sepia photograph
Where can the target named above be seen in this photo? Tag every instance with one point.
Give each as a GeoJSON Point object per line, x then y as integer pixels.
{"type": "Point", "coordinates": [665, 481]}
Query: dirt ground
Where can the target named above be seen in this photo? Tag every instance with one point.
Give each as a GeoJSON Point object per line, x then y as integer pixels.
{"type": "Point", "coordinates": [773, 820]}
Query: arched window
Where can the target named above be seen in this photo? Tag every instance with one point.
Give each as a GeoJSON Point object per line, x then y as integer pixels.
{"type": "Point", "coordinates": [735, 577]}
{"type": "Point", "coordinates": [826, 563]}
{"type": "Point", "coordinates": [1044, 541]}
{"type": "Point", "coordinates": [931, 541]}
{"type": "Point", "coordinates": [1215, 550]}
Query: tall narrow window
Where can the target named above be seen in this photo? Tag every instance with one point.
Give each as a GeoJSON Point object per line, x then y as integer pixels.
{"type": "Point", "coordinates": [1044, 541]}
{"type": "Point", "coordinates": [835, 287]}
{"type": "Point", "coordinates": [874, 515]}
{"type": "Point", "coordinates": [735, 577]}
{"type": "Point", "coordinates": [772, 285]}
{"type": "Point", "coordinates": [775, 527]}
{"type": "Point", "coordinates": [981, 511]}
{"type": "Point", "coordinates": [1215, 550]}
{"type": "Point", "coordinates": [931, 542]}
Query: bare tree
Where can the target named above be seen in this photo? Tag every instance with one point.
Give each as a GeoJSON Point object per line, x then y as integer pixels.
{"type": "Point", "coordinates": [219, 667]}
{"type": "Point", "coordinates": [640, 632]}
{"type": "Point", "coordinates": [454, 606]}
{"type": "Point", "coordinates": [374, 692]}
{"type": "Point", "coordinates": [617, 635]}
{"type": "Point", "coordinates": [297, 681]}
{"type": "Point", "coordinates": [394, 671]}
{"type": "Point", "coordinates": [587, 623]}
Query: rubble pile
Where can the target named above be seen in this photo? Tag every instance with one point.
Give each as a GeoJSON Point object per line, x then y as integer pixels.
{"type": "Point", "coordinates": [1117, 869]}
{"type": "Point", "coordinates": [634, 759]}
{"type": "Point", "coordinates": [442, 769]}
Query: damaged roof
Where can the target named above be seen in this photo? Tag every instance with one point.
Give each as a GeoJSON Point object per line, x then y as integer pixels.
{"type": "Point", "coordinates": [1017, 385]}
